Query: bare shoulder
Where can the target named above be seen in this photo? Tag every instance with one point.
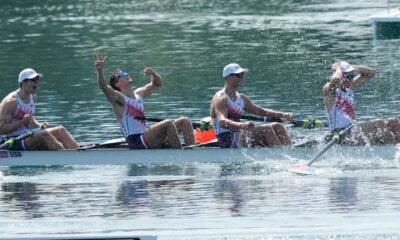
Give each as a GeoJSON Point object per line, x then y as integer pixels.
{"type": "Point", "coordinates": [219, 97]}
{"type": "Point", "coordinates": [10, 98]}
{"type": "Point", "coordinates": [244, 96]}
{"type": "Point", "coordinates": [9, 102]}
{"type": "Point", "coordinates": [138, 90]}
{"type": "Point", "coordinates": [246, 99]}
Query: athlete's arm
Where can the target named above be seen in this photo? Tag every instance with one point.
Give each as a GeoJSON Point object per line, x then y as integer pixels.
{"type": "Point", "coordinates": [221, 111]}
{"type": "Point", "coordinates": [7, 109]}
{"type": "Point", "coordinates": [112, 95]}
{"type": "Point", "coordinates": [252, 108]}
{"type": "Point", "coordinates": [329, 90]}
{"type": "Point", "coordinates": [365, 74]}
{"type": "Point", "coordinates": [155, 83]}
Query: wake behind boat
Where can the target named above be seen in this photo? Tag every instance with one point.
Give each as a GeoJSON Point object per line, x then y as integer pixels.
{"type": "Point", "coordinates": [119, 155]}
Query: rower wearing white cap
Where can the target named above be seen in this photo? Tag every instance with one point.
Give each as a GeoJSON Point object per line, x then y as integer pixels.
{"type": "Point", "coordinates": [340, 107]}
{"type": "Point", "coordinates": [226, 108]}
{"type": "Point", "coordinates": [17, 111]}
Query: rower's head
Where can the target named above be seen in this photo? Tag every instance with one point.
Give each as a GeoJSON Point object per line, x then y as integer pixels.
{"type": "Point", "coordinates": [348, 72]}
{"type": "Point", "coordinates": [234, 73]}
{"type": "Point", "coordinates": [119, 79]}
{"type": "Point", "coordinates": [28, 79]}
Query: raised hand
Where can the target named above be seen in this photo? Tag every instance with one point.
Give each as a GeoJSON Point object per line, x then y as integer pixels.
{"type": "Point", "coordinates": [99, 62]}
{"type": "Point", "coordinates": [148, 71]}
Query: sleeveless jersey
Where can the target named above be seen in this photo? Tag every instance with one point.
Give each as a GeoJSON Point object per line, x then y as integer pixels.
{"type": "Point", "coordinates": [20, 111]}
{"type": "Point", "coordinates": [133, 120]}
{"type": "Point", "coordinates": [342, 113]}
{"type": "Point", "coordinates": [234, 112]}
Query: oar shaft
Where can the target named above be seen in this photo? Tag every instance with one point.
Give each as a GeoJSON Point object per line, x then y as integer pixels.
{"type": "Point", "coordinates": [335, 139]}
{"type": "Point", "coordinates": [153, 119]}
{"type": "Point", "coordinates": [322, 151]}
{"type": "Point", "coordinates": [296, 123]}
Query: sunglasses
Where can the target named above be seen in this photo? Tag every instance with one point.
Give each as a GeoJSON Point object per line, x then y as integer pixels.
{"type": "Point", "coordinates": [122, 74]}
{"type": "Point", "coordinates": [238, 75]}
{"type": "Point", "coordinates": [349, 76]}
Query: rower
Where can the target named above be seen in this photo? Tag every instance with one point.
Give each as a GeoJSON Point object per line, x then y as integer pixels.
{"type": "Point", "coordinates": [340, 110]}
{"type": "Point", "coordinates": [128, 107]}
{"type": "Point", "coordinates": [226, 108]}
{"type": "Point", "coordinates": [17, 111]}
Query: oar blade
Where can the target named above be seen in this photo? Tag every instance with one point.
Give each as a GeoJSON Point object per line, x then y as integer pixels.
{"type": "Point", "coordinates": [303, 169]}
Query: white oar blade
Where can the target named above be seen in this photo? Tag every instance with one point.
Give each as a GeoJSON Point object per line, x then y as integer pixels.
{"type": "Point", "coordinates": [303, 169]}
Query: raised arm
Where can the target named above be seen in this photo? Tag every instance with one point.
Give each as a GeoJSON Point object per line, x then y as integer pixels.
{"type": "Point", "coordinates": [365, 74]}
{"type": "Point", "coordinates": [329, 90]}
{"type": "Point", "coordinates": [155, 83]}
{"type": "Point", "coordinates": [112, 95]}
{"type": "Point", "coordinates": [252, 108]}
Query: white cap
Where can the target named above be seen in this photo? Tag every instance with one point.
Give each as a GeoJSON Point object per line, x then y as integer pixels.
{"type": "Point", "coordinates": [346, 67]}
{"type": "Point", "coordinates": [28, 73]}
{"type": "Point", "coordinates": [233, 68]}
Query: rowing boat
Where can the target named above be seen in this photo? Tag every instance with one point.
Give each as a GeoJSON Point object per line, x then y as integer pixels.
{"type": "Point", "coordinates": [78, 237]}
{"type": "Point", "coordinates": [119, 155]}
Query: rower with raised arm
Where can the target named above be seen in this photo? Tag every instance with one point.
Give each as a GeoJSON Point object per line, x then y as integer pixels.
{"type": "Point", "coordinates": [127, 105]}
{"type": "Point", "coordinates": [226, 108]}
{"type": "Point", "coordinates": [17, 111]}
{"type": "Point", "coordinates": [340, 108]}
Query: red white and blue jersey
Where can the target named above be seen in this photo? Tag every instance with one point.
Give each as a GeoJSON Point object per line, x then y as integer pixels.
{"type": "Point", "coordinates": [342, 113]}
{"type": "Point", "coordinates": [133, 119]}
{"type": "Point", "coordinates": [234, 112]}
{"type": "Point", "coordinates": [19, 113]}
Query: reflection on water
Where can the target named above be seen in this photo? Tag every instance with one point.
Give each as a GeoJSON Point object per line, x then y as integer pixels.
{"type": "Point", "coordinates": [173, 195]}
{"type": "Point", "coordinates": [22, 197]}
{"type": "Point", "coordinates": [343, 193]}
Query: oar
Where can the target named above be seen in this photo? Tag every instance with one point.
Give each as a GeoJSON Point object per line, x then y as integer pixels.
{"type": "Point", "coordinates": [105, 144]}
{"type": "Point", "coordinates": [296, 123]}
{"type": "Point", "coordinates": [10, 142]}
{"type": "Point", "coordinates": [306, 169]}
{"type": "Point", "coordinates": [154, 119]}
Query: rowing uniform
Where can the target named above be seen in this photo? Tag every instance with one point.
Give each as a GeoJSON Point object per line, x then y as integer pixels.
{"type": "Point", "coordinates": [342, 113]}
{"type": "Point", "coordinates": [228, 137]}
{"type": "Point", "coordinates": [18, 115]}
{"type": "Point", "coordinates": [132, 123]}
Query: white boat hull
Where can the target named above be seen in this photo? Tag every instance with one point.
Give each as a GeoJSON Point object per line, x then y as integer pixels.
{"type": "Point", "coordinates": [177, 156]}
